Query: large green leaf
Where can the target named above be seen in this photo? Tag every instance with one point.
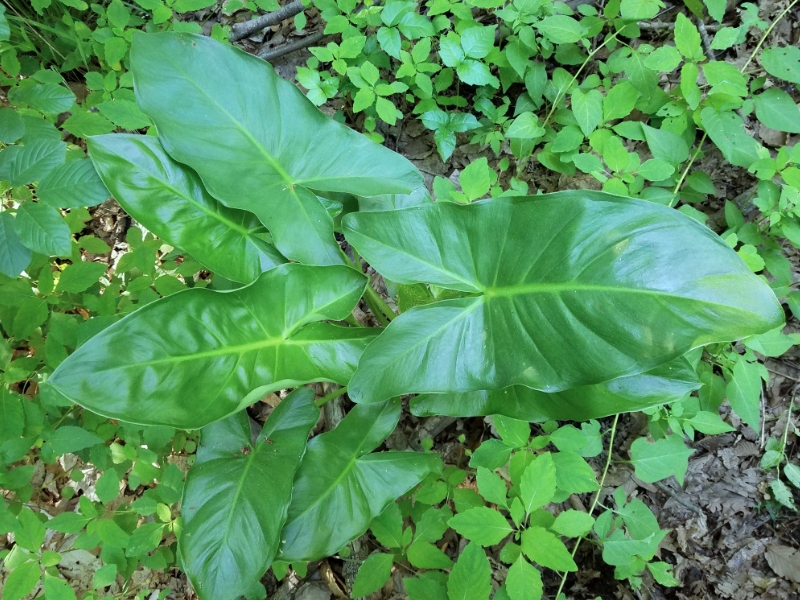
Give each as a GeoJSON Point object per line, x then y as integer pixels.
{"type": "Point", "coordinates": [200, 355]}
{"type": "Point", "coordinates": [340, 488]}
{"type": "Point", "coordinates": [666, 383]}
{"type": "Point", "coordinates": [169, 199]}
{"type": "Point", "coordinates": [256, 141]}
{"type": "Point", "coordinates": [565, 289]}
{"type": "Point", "coordinates": [236, 497]}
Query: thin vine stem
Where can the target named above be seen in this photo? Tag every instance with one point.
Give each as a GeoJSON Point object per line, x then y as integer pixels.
{"type": "Point", "coordinates": [741, 70]}
{"type": "Point", "coordinates": [560, 95]}
{"type": "Point", "coordinates": [677, 189]}
{"type": "Point", "coordinates": [596, 498]}
{"type": "Point", "coordinates": [786, 433]}
{"type": "Point", "coordinates": [766, 34]}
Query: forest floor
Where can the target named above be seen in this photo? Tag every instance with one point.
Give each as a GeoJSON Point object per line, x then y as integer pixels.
{"type": "Point", "coordinates": [727, 540]}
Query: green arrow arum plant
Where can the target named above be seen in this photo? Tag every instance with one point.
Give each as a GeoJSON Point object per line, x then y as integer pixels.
{"type": "Point", "coordinates": [571, 305]}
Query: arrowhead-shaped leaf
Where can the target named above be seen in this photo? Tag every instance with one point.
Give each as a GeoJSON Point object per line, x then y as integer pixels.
{"type": "Point", "coordinates": [169, 199]}
{"type": "Point", "coordinates": [340, 488]}
{"type": "Point", "coordinates": [666, 383]}
{"type": "Point", "coordinates": [257, 143]}
{"type": "Point", "coordinates": [197, 356]}
{"type": "Point", "coordinates": [237, 494]}
{"type": "Point", "coordinates": [565, 289]}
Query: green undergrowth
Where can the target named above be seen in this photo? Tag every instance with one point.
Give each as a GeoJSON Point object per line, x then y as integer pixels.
{"type": "Point", "coordinates": [538, 89]}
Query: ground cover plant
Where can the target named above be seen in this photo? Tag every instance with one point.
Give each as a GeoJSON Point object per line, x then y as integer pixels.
{"type": "Point", "coordinates": [267, 227]}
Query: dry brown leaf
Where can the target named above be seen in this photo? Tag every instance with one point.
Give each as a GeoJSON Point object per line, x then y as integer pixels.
{"type": "Point", "coordinates": [785, 561]}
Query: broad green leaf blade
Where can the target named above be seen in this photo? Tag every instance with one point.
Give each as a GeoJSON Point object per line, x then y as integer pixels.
{"type": "Point", "coordinates": [36, 159]}
{"type": "Point", "coordinates": [373, 574]}
{"type": "Point", "coordinates": [237, 495]}
{"type": "Point", "coordinates": [667, 383]}
{"type": "Point", "coordinates": [169, 199]}
{"type": "Point", "coordinates": [481, 525]}
{"type": "Point", "coordinates": [783, 63]}
{"type": "Point", "coordinates": [340, 488]}
{"type": "Point", "coordinates": [544, 548]}
{"type": "Point", "coordinates": [72, 185]}
{"type": "Point", "coordinates": [538, 483]}
{"type": "Point", "coordinates": [744, 391]}
{"type": "Point", "coordinates": [667, 456]}
{"type": "Point", "coordinates": [41, 228]}
{"type": "Point", "coordinates": [471, 577]}
{"type": "Point", "coordinates": [611, 287]}
{"type": "Point", "coordinates": [14, 256]}
{"type": "Point", "coordinates": [726, 130]}
{"type": "Point", "coordinates": [49, 98]}
{"type": "Point", "coordinates": [524, 582]}
{"type": "Point", "coordinates": [776, 109]}
{"type": "Point", "coordinates": [198, 356]}
{"type": "Point", "coordinates": [257, 142]}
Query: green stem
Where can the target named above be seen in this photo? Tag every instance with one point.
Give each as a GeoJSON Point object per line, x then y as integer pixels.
{"type": "Point", "coordinates": [374, 309]}
{"type": "Point", "coordinates": [746, 64]}
{"type": "Point", "coordinates": [561, 95]}
{"type": "Point", "coordinates": [786, 434]}
{"type": "Point", "coordinates": [380, 303]}
{"type": "Point", "coordinates": [596, 498]}
{"type": "Point", "coordinates": [766, 34]}
{"type": "Point", "coordinates": [334, 394]}
{"type": "Point", "coordinates": [686, 171]}
{"type": "Point", "coordinates": [352, 321]}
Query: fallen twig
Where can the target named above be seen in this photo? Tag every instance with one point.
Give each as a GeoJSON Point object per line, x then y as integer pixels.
{"type": "Point", "coordinates": [242, 30]}
{"type": "Point", "coordinates": [273, 53]}
{"type": "Point", "coordinates": [665, 25]}
{"type": "Point", "coordinates": [706, 39]}
{"type": "Point", "coordinates": [672, 494]}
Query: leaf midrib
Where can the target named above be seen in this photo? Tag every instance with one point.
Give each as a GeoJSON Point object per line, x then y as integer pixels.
{"type": "Point", "coordinates": [520, 289]}
{"type": "Point", "coordinates": [351, 464]}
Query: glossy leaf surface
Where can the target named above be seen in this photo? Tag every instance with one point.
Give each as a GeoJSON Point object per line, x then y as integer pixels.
{"type": "Point", "coordinates": [257, 142]}
{"type": "Point", "coordinates": [237, 494]}
{"type": "Point", "coordinates": [197, 356]}
{"type": "Point", "coordinates": [169, 199]}
{"type": "Point", "coordinates": [566, 289]}
{"type": "Point", "coordinates": [340, 488]}
{"type": "Point", "coordinates": [666, 383]}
